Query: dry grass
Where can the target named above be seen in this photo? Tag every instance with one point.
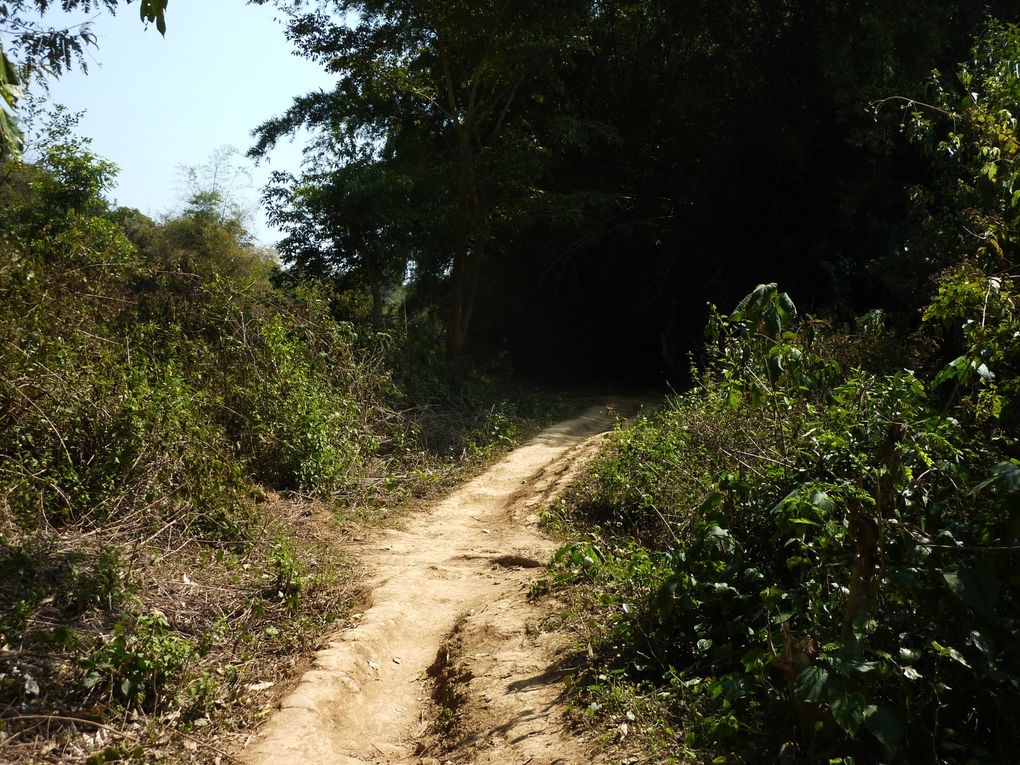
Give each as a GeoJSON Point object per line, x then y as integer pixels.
{"type": "Point", "coordinates": [249, 634]}
{"type": "Point", "coordinates": [254, 610]}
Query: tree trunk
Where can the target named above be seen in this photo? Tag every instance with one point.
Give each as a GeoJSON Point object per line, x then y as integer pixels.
{"type": "Point", "coordinates": [470, 234]}
{"type": "Point", "coordinates": [456, 325]}
{"type": "Point", "coordinates": [375, 284]}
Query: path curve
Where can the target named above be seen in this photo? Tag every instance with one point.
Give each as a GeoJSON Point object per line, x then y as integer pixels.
{"type": "Point", "coordinates": [450, 662]}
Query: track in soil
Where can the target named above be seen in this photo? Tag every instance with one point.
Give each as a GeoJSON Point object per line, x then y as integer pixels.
{"type": "Point", "coordinates": [450, 662]}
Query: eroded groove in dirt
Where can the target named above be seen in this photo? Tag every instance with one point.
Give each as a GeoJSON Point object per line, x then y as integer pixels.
{"type": "Point", "coordinates": [449, 592]}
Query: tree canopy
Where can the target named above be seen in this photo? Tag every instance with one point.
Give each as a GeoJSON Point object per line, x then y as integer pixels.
{"type": "Point", "coordinates": [582, 179]}
{"type": "Point", "coordinates": [449, 84]}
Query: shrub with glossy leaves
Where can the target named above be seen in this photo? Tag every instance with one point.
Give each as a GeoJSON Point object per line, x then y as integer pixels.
{"type": "Point", "coordinates": [837, 587]}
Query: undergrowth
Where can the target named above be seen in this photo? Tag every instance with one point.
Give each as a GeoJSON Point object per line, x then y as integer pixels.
{"type": "Point", "coordinates": [801, 560]}
{"type": "Point", "coordinates": [183, 436]}
{"type": "Point", "coordinates": [812, 555]}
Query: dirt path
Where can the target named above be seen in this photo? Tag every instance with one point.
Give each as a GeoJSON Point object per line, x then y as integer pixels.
{"type": "Point", "coordinates": [450, 663]}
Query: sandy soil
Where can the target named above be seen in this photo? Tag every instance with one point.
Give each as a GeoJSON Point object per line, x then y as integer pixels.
{"type": "Point", "coordinates": [450, 663]}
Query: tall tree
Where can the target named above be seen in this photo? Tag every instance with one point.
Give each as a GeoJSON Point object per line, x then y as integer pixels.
{"type": "Point", "coordinates": [619, 164]}
{"type": "Point", "coordinates": [736, 147]}
{"type": "Point", "coordinates": [347, 223]}
{"type": "Point", "coordinates": [451, 79]}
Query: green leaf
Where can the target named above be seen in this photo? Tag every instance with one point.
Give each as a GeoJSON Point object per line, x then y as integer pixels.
{"type": "Point", "coordinates": [850, 710]}
{"type": "Point", "coordinates": [787, 307]}
{"type": "Point", "coordinates": [884, 724]}
{"type": "Point", "coordinates": [976, 587]}
{"type": "Point", "coordinates": [11, 139]}
{"type": "Point", "coordinates": [816, 685]}
{"type": "Point", "coordinates": [957, 369]}
{"type": "Point", "coordinates": [722, 537]}
{"type": "Point", "coordinates": [664, 601]}
{"type": "Point", "coordinates": [909, 655]}
{"type": "Point", "coordinates": [712, 501]}
{"type": "Point", "coordinates": [154, 10]}
{"type": "Point", "coordinates": [752, 306]}
{"type": "Point", "coordinates": [12, 142]}
{"type": "Point", "coordinates": [781, 504]}
{"type": "Point", "coordinates": [853, 666]}
{"type": "Point", "coordinates": [775, 367]}
{"type": "Point", "coordinates": [982, 643]}
{"type": "Point", "coordinates": [752, 660]}
{"type": "Point", "coordinates": [950, 652]}
{"type": "Point", "coordinates": [912, 674]}
{"type": "Point", "coordinates": [1007, 476]}
{"type": "Point", "coordinates": [821, 502]}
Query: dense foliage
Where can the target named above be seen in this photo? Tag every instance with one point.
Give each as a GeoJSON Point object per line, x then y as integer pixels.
{"type": "Point", "coordinates": [813, 554]}
{"type": "Point", "coordinates": [160, 399]}
{"type": "Point", "coordinates": [573, 183]}
{"type": "Point", "coordinates": [822, 559]}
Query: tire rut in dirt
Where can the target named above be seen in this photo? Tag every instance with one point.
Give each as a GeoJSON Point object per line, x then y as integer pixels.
{"type": "Point", "coordinates": [452, 585]}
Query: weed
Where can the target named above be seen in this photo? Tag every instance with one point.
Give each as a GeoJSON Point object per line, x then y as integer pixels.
{"type": "Point", "coordinates": [289, 585]}
{"type": "Point", "coordinates": [139, 663]}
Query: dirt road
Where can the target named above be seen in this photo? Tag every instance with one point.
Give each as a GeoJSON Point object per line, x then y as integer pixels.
{"type": "Point", "coordinates": [450, 662]}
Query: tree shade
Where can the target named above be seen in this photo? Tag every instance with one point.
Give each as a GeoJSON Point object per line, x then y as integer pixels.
{"type": "Point", "coordinates": [580, 181]}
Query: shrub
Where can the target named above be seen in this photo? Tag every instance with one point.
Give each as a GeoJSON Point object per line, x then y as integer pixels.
{"type": "Point", "coordinates": [137, 664]}
{"type": "Point", "coordinates": [838, 586]}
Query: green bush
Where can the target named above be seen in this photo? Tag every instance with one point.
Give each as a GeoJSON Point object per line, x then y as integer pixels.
{"type": "Point", "coordinates": [302, 427]}
{"type": "Point", "coordinates": [95, 436]}
{"type": "Point", "coordinates": [139, 662]}
{"type": "Point", "coordinates": [840, 586]}
{"type": "Point", "coordinates": [152, 379]}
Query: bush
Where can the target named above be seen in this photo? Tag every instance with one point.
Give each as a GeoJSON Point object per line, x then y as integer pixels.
{"type": "Point", "coordinates": [137, 664]}
{"type": "Point", "coordinates": [156, 386]}
{"type": "Point", "coordinates": [166, 378]}
{"type": "Point", "coordinates": [288, 397]}
{"type": "Point", "coordinates": [833, 576]}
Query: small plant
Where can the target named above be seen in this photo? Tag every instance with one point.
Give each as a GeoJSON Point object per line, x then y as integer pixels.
{"type": "Point", "coordinates": [200, 694]}
{"type": "Point", "coordinates": [289, 585]}
{"type": "Point", "coordinates": [141, 661]}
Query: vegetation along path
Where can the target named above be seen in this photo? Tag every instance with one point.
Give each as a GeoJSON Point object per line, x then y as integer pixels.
{"type": "Point", "coordinates": [449, 661]}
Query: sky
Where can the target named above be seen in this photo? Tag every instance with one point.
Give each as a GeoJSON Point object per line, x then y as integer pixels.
{"type": "Point", "coordinates": [154, 104]}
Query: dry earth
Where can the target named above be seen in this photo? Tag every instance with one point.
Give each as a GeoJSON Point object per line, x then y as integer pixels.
{"type": "Point", "coordinates": [450, 661]}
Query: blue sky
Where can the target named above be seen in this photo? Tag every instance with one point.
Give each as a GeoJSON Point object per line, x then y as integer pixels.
{"type": "Point", "coordinates": [153, 104]}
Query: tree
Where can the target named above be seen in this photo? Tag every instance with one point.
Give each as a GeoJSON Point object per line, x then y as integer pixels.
{"type": "Point", "coordinates": [585, 177]}
{"type": "Point", "coordinates": [447, 81]}
{"type": "Point", "coordinates": [345, 223]}
{"type": "Point", "coordinates": [731, 143]}
{"type": "Point", "coordinates": [35, 50]}
{"type": "Point", "coordinates": [219, 185]}
{"type": "Point", "coordinates": [969, 131]}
